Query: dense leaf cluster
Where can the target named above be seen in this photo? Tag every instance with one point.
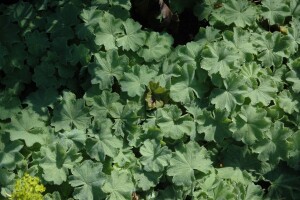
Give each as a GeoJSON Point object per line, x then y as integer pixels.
{"type": "Point", "coordinates": [98, 107]}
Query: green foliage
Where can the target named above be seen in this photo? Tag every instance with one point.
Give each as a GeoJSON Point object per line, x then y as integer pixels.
{"type": "Point", "coordinates": [95, 105]}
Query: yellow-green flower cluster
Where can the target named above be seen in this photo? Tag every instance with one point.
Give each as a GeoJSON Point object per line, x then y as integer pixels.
{"type": "Point", "coordinates": [27, 188]}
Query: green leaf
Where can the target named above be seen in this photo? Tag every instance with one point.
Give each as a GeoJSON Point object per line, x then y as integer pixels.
{"type": "Point", "coordinates": [135, 81]}
{"type": "Point", "coordinates": [9, 104]}
{"type": "Point", "coordinates": [107, 66]}
{"type": "Point", "coordinates": [44, 77]}
{"type": "Point", "coordinates": [173, 124]}
{"type": "Point", "coordinates": [288, 102]}
{"type": "Point", "coordinates": [275, 11]}
{"type": "Point", "coordinates": [124, 118]}
{"type": "Point", "coordinates": [70, 113]}
{"type": "Point", "coordinates": [154, 157]}
{"type": "Point", "coordinates": [274, 146]}
{"type": "Point", "coordinates": [133, 38]}
{"type": "Point", "coordinates": [284, 183]}
{"type": "Point", "coordinates": [156, 47]}
{"type": "Point", "coordinates": [28, 126]}
{"type": "Point", "coordinates": [6, 178]}
{"type": "Point", "coordinates": [91, 16]}
{"type": "Point", "coordinates": [240, 157]}
{"type": "Point", "coordinates": [262, 91]}
{"type": "Point", "coordinates": [215, 125]}
{"type": "Point", "coordinates": [294, 150]}
{"type": "Point", "coordinates": [232, 94]}
{"type": "Point", "coordinates": [107, 31]}
{"type": "Point", "coordinates": [87, 178]}
{"type": "Point", "coordinates": [186, 161]}
{"type": "Point", "coordinates": [37, 42]}
{"type": "Point", "coordinates": [75, 136]}
{"type": "Point", "coordinates": [271, 48]}
{"type": "Point", "coordinates": [185, 88]}
{"type": "Point", "coordinates": [207, 35]}
{"type": "Point", "coordinates": [203, 9]}
{"type": "Point", "coordinates": [250, 125]}
{"type": "Point", "coordinates": [101, 104]}
{"type": "Point", "coordinates": [146, 180]}
{"type": "Point", "coordinates": [295, 8]}
{"type": "Point", "coordinates": [79, 53]}
{"type": "Point", "coordinates": [125, 157]}
{"type": "Point", "coordinates": [294, 34]}
{"type": "Point", "coordinates": [190, 53]}
{"type": "Point", "coordinates": [41, 99]}
{"type": "Point", "coordinates": [239, 40]}
{"type": "Point", "coordinates": [10, 155]}
{"type": "Point", "coordinates": [239, 12]}
{"type": "Point", "coordinates": [217, 58]}
{"type": "Point", "coordinates": [293, 75]}
{"type": "Point", "coordinates": [102, 142]}
{"type": "Point", "coordinates": [57, 160]}
{"type": "Point", "coordinates": [119, 186]}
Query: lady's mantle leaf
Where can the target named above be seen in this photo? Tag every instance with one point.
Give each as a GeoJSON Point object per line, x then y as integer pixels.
{"type": "Point", "coordinates": [156, 47]}
{"type": "Point", "coordinates": [107, 31]}
{"type": "Point", "coordinates": [190, 53]}
{"type": "Point", "coordinates": [188, 159]}
{"type": "Point", "coordinates": [102, 142]}
{"type": "Point", "coordinates": [250, 124]}
{"type": "Point", "coordinates": [57, 160]}
{"type": "Point", "coordinates": [288, 102]}
{"type": "Point", "coordinates": [262, 91]}
{"type": "Point", "coordinates": [107, 66]}
{"type": "Point", "coordinates": [154, 157]}
{"type": "Point", "coordinates": [239, 39]}
{"type": "Point", "coordinates": [135, 81]}
{"type": "Point", "coordinates": [294, 33]}
{"type": "Point", "coordinates": [284, 183]}
{"type": "Point", "coordinates": [146, 180]}
{"type": "Point", "coordinates": [275, 11]}
{"type": "Point", "coordinates": [119, 186]}
{"type": "Point", "coordinates": [239, 12]}
{"type": "Point", "coordinates": [274, 146]}
{"type": "Point", "coordinates": [218, 58]}
{"type": "Point", "coordinates": [294, 150]}
{"type": "Point", "coordinates": [215, 125]}
{"type": "Point", "coordinates": [101, 104]}
{"type": "Point", "coordinates": [293, 76]}
{"type": "Point", "coordinates": [272, 48]}
{"type": "Point", "coordinates": [174, 125]}
{"type": "Point", "coordinates": [231, 95]}
{"type": "Point", "coordinates": [87, 179]}
{"type": "Point", "coordinates": [9, 104]}
{"type": "Point", "coordinates": [91, 16]}
{"type": "Point", "coordinates": [10, 154]}
{"type": "Point", "coordinates": [70, 113]}
{"type": "Point", "coordinates": [28, 126]}
{"type": "Point", "coordinates": [184, 88]}
{"type": "Point", "coordinates": [133, 38]}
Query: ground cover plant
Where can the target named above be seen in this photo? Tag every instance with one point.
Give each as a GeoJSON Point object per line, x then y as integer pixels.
{"type": "Point", "coordinates": [97, 102]}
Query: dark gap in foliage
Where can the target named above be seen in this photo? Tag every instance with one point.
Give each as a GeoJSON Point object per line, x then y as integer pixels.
{"type": "Point", "coordinates": [163, 184]}
{"type": "Point", "coordinates": [188, 27]}
{"type": "Point", "coordinates": [8, 2]}
{"type": "Point", "coordinates": [183, 27]}
{"type": "Point", "coordinates": [116, 87]}
{"type": "Point", "coordinates": [28, 88]}
{"type": "Point", "coordinates": [257, 2]}
{"type": "Point", "coordinates": [264, 184]}
{"type": "Point", "coordinates": [2, 74]}
{"type": "Point", "coordinates": [136, 152]}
